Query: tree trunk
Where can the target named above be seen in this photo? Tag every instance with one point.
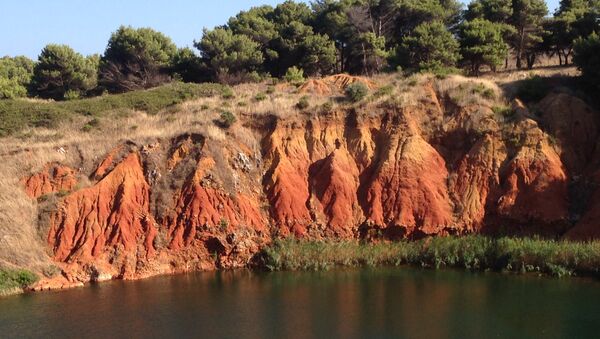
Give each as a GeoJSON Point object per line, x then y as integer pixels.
{"type": "Point", "coordinates": [530, 60]}
{"type": "Point", "coordinates": [341, 69]}
{"type": "Point", "coordinates": [364, 53]}
{"type": "Point", "coordinates": [560, 62]}
{"type": "Point", "coordinates": [520, 47]}
{"type": "Point", "coordinates": [567, 55]}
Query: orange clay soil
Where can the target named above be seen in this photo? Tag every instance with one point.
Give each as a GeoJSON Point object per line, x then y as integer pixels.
{"type": "Point", "coordinates": [51, 179]}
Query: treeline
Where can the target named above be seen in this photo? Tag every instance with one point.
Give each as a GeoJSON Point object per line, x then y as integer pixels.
{"type": "Point", "coordinates": [294, 40]}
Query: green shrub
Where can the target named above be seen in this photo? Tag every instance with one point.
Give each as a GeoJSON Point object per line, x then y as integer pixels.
{"type": "Point", "coordinates": [303, 103]}
{"type": "Point", "coordinates": [260, 97]}
{"type": "Point", "coordinates": [223, 224]}
{"type": "Point", "coordinates": [227, 93]}
{"type": "Point", "coordinates": [504, 111]}
{"type": "Point", "coordinates": [533, 89]}
{"type": "Point", "coordinates": [90, 125]}
{"type": "Point", "coordinates": [72, 95]}
{"type": "Point", "coordinates": [484, 91]}
{"type": "Point", "coordinates": [356, 92]}
{"type": "Point", "coordinates": [294, 75]}
{"type": "Point", "coordinates": [254, 76]}
{"type": "Point", "coordinates": [62, 193]}
{"type": "Point", "coordinates": [488, 93]}
{"type": "Point", "coordinates": [384, 91]}
{"type": "Point", "coordinates": [327, 107]}
{"type": "Point", "coordinates": [587, 58]}
{"type": "Point", "coordinates": [10, 279]}
{"type": "Point", "coordinates": [51, 271]}
{"type": "Point", "coordinates": [227, 119]}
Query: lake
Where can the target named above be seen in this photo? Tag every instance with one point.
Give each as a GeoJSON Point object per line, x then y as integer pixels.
{"type": "Point", "coordinates": [361, 303]}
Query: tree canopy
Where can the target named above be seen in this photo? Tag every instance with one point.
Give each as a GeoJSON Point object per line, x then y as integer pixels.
{"type": "Point", "coordinates": [15, 76]}
{"type": "Point", "coordinates": [527, 19]}
{"type": "Point", "coordinates": [587, 58]}
{"type": "Point", "coordinates": [498, 11]}
{"type": "Point", "coordinates": [136, 58]}
{"type": "Point", "coordinates": [431, 47]}
{"type": "Point", "coordinates": [230, 55]}
{"type": "Point", "coordinates": [325, 37]}
{"type": "Point", "coordinates": [61, 73]}
{"type": "Point", "coordinates": [482, 43]}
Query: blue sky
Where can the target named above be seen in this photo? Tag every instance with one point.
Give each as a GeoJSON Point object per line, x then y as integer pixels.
{"type": "Point", "coordinates": [28, 25]}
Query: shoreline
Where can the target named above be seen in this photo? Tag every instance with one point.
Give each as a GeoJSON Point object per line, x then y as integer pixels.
{"type": "Point", "coordinates": [472, 253]}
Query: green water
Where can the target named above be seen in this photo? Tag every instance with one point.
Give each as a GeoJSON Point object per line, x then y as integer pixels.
{"type": "Point", "coordinates": [379, 303]}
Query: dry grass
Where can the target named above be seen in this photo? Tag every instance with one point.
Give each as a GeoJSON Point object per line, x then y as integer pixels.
{"type": "Point", "coordinates": [513, 75]}
{"type": "Point", "coordinates": [19, 241]}
{"type": "Point", "coordinates": [467, 91]}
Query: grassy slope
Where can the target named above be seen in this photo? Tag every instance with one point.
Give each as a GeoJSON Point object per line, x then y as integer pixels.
{"type": "Point", "coordinates": [20, 113]}
{"type": "Point", "coordinates": [557, 258]}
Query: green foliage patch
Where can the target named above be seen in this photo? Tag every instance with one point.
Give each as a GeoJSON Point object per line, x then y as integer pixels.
{"type": "Point", "coordinates": [303, 103]}
{"type": "Point", "coordinates": [294, 75]}
{"type": "Point", "coordinates": [522, 255]}
{"type": "Point", "coordinates": [11, 279]}
{"type": "Point", "coordinates": [227, 119]}
{"type": "Point", "coordinates": [587, 58]}
{"type": "Point", "coordinates": [431, 47]}
{"type": "Point", "coordinates": [533, 89]}
{"type": "Point", "coordinates": [356, 92]}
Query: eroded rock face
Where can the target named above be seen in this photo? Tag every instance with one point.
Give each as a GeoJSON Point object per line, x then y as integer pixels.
{"type": "Point", "coordinates": [202, 206]}
{"type": "Point", "coordinates": [286, 181]}
{"type": "Point", "coordinates": [113, 215]}
{"type": "Point", "coordinates": [574, 124]}
{"type": "Point", "coordinates": [535, 187]}
{"type": "Point", "coordinates": [51, 179]}
{"type": "Point", "coordinates": [334, 185]}
{"type": "Point", "coordinates": [432, 168]}
{"type": "Point", "coordinates": [588, 227]}
{"type": "Point", "coordinates": [409, 190]}
{"type": "Point", "coordinates": [476, 179]}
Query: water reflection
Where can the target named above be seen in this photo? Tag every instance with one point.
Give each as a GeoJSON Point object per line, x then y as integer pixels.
{"type": "Point", "coordinates": [339, 304]}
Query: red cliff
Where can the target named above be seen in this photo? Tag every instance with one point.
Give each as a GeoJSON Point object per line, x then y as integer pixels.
{"type": "Point", "coordinates": [431, 167]}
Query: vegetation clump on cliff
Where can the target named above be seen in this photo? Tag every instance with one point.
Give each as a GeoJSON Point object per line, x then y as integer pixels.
{"type": "Point", "coordinates": [14, 280]}
{"type": "Point", "coordinates": [475, 252]}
